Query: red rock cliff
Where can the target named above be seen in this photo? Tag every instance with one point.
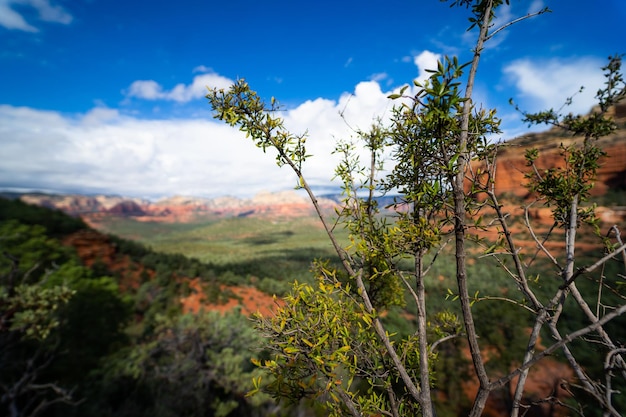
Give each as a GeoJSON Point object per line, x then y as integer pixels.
{"type": "Point", "coordinates": [511, 164]}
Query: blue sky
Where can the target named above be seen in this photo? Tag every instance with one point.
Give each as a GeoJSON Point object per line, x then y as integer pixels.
{"type": "Point", "coordinates": [107, 96]}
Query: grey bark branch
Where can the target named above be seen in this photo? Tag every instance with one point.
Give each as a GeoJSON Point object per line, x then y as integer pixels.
{"type": "Point", "coordinates": [519, 19]}
{"type": "Point", "coordinates": [460, 225]}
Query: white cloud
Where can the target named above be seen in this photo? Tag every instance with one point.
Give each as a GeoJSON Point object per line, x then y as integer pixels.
{"type": "Point", "coordinates": [327, 121]}
{"type": "Point", "coordinates": [48, 12]}
{"type": "Point", "coordinates": [146, 89]}
{"type": "Point", "coordinates": [104, 151]}
{"type": "Point", "coordinates": [545, 84]}
{"type": "Point", "coordinates": [426, 61]}
{"type": "Point", "coordinates": [12, 19]}
{"type": "Point", "coordinates": [99, 115]}
{"type": "Point", "coordinates": [182, 93]}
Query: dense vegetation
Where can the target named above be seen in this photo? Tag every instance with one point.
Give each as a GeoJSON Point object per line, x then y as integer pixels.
{"type": "Point", "coordinates": [71, 343]}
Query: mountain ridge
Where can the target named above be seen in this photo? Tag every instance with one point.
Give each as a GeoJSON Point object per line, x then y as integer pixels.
{"type": "Point", "coordinates": [177, 208]}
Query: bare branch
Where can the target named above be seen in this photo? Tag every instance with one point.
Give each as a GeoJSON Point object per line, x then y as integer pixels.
{"type": "Point", "coordinates": [591, 268]}
{"type": "Point", "coordinates": [349, 403]}
{"type": "Point", "coordinates": [540, 245]}
{"type": "Point", "coordinates": [459, 221]}
{"type": "Point", "coordinates": [437, 253]}
{"type": "Point", "coordinates": [434, 346]}
{"type": "Point", "coordinates": [618, 237]}
{"type": "Point", "coordinates": [519, 19]}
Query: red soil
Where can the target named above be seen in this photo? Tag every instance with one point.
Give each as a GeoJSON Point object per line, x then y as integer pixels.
{"type": "Point", "coordinates": [93, 246]}
{"type": "Point", "coordinates": [250, 299]}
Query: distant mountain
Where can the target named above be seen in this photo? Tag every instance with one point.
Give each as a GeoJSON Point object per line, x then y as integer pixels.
{"type": "Point", "coordinates": [76, 204]}
{"type": "Point", "coordinates": [178, 208]}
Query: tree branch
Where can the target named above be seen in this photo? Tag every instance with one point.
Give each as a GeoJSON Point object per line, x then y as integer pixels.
{"type": "Point", "coordinates": [519, 19]}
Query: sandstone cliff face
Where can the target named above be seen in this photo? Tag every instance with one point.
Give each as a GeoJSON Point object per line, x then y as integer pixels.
{"type": "Point", "coordinates": [76, 204]}
{"type": "Point", "coordinates": [72, 204]}
{"type": "Point", "coordinates": [511, 164]}
{"type": "Point", "coordinates": [511, 168]}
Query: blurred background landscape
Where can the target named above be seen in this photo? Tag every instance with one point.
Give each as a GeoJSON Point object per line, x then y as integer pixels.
{"type": "Point", "coordinates": [159, 323]}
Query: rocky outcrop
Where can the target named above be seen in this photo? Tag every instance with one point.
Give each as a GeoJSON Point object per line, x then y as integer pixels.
{"type": "Point", "coordinates": [249, 299]}
{"type": "Point", "coordinates": [512, 168]}
{"type": "Point", "coordinates": [511, 163]}
{"type": "Point", "coordinates": [94, 247]}
{"type": "Point", "coordinates": [127, 208]}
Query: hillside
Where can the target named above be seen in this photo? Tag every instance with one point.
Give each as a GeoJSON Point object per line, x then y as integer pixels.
{"type": "Point", "coordinates": [134, 265]}
{"type": "Point", "coordinates": [95, 248]}
{"type": "Point", "coordinates": [95, 325]}
{"type": "Point", "coordinates": [611, 177]}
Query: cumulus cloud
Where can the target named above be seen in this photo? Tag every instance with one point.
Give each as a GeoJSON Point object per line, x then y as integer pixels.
{"type": "Point", "coordinates": [181, 93]}
{"type": "Point", "coordinates": [426, 61]}
{"type": "Point", "coordinates": [328, 121]}
{"type": "Point", "coordinates": [545, 84]}
{"type": "Point", "coordinates": [146, 89]}
{"type": "Point", "coordinates": [105, 151]}
{"type": "Point", "coordinates": [47, 12]}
